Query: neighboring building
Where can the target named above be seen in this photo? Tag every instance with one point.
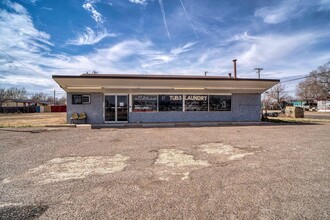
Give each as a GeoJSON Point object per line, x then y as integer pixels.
{"type": "Point", "coordinates": [23, 103]}
{"type": "Point", "coordinates": [298, 103]}
{"type": "Point", "coordinates": [23, 106]}
{"type": "Point", "coordinates": [158, 98]}
{"type": "Point", "coordinates": [323, 106]}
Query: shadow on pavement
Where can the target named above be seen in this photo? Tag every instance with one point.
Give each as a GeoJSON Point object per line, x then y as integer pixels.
{"type": "Point", "coordinates": [22, 212]}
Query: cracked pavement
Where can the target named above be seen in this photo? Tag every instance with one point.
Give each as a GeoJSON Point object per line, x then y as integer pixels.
{"type": "Point", "coordinates": [230, 172]}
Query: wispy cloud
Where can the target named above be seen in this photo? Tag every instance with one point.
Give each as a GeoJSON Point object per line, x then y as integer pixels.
{"type": "Point", "coordinates": [18, 25]}
{"type": "Point", "coordinates": [156, 57]}
{"type": "Point", "coordinates": [179, 50]}
{"type": "Point", "coordinates": [90, 37]}
{"type": "Point", "coordinates": [141, 2]}
{"type": "Point", "coordinates": [191, 24]}
{"type": "Point", "coordinates": [291, 52]}
{"type": "Point", "coordinates": [33, 2]}
{"type": "Point", "coordinates": [47, 8]}
{"type": "Point", "coordinates": [263, 49]}
{"type": "Point", "coordinates": [89, 6]}
{"type": "Point", "coordinates": [324, 5]}
{"type": "Point", "coordinates": [283, 11]}
{"type": "Point", "coordinates": [161, 5]}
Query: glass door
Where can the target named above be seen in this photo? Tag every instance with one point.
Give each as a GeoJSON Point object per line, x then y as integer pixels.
{"type": "Point", "coordinates": [116, 108]}
{"type": "Point", "coordinates": [110, 108]}
{"type": "Point", "coordinates": [122, 108]}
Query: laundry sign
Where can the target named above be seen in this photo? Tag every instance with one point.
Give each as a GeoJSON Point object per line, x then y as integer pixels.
{"type": "Point", "coordinates": [196, 97]}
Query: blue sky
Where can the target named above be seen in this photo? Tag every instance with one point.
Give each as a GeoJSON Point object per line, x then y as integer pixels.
{"type": "Point", "coordinates": [40, 38]}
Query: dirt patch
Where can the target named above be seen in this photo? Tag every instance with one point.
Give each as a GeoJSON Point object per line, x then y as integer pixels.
{"type": "Point", "coordinates": [175, 163]}
{"type": "Point", "coordinates": [226, 151]}
{"type": "Point", "coordinates": [67, 168]}
{"type": "Point", "coordinates": [32, 119]}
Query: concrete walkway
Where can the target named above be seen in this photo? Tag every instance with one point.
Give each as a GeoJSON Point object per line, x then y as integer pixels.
{"type": "Point", "coordinates": [174, 124]}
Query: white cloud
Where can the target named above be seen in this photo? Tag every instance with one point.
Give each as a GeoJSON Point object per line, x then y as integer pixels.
{"type": "Point", "coordinates": [154, 58]}
{"type": "Point", "coordinates": [18, 25]}
{"type": "Point", "coordinates": [89, 6]}
{"type": "Point", "coordinates": [263, 49]}
{"type": "Point", "coordinates": [141, 2]}
{"type": "Point", "coordinates": [187, 47]}
{"type": "Point", "coordinates": [286, 10]}
{"type": "Point", "coordinates": [33, 2]}
{"type": "Point", "coordinates": [188, 17]}
{"type": "Point", "coordinates": [290, 54]}
{"type": "Point", "coordinates": [19, 9]}
{"type": "Point", "coordinates": [324, 5]}
{"type": "Point", "coordinates": [46, 8]}
{"type": "Point", "coordinates": [90, 37]}
{"type": "Point", "coordinates": [162, 9]}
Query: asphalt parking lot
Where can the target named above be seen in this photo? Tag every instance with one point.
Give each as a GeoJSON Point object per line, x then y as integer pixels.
{"type": "Point", "coordinates": [317, 115]}
{"type": "Point", "coordinates": [229, 172]}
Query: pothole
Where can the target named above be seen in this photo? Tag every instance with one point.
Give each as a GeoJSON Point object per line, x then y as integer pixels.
{"type": "Point", "coordinates": [173, 163]}
{"type": "Point", "coordinates": [67, 168]}
{"type": "Point", "coordinates": [226, 151]}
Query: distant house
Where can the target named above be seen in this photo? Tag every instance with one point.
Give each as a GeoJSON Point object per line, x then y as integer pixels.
{"type": "Point", "coordinates": [323, 106]}
{"type": "Point", "coordinates": [24, 106]}
{"type": "Point", "coordinates": [23, 103]}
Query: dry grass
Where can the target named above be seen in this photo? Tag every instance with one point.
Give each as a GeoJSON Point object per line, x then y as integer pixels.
{"type": "Point", "coordinates": [298, 120]}
{"type": "Point", "coordinates": [32, 119]}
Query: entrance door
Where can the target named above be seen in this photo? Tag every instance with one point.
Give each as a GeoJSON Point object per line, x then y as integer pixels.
{"type": "Point", "coordinates": [116, 108]}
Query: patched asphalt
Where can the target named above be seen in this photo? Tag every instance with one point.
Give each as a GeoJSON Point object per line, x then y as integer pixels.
{"type": "Point", "coordinates": [228, 172]}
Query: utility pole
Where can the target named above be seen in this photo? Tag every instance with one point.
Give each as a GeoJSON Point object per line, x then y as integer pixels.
{"type": "Point", "coordinates": [258, 69]}
{"type": "Point", "coordinates": [54, 97]}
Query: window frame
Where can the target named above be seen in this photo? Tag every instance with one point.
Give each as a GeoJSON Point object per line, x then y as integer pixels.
{"type": "Point", "coordinates": [230, 95]}
{"type": "Point", "coordinates": [74, 96]}
{"type": "Point", "coordinates": [176, 94]}
{"type": "Point", "coordinates": [185, 102]}
{"type": "Point", "coordinates": [132, 103]}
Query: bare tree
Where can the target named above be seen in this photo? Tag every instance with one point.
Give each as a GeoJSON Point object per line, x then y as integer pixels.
{"type": "Point", "coordinates": [266, 100]}
{"type": "Point", "coordinates": [50, 99]}
{"type": "Point", "coordinates": [39, 97]}
{"type": "Point", "coordinates": [278, 93]}
{"type": "Point", "coordinates": [2, 95]}
{"type": "Point", "coordinates": [323, 76]}
{"type": "Point", "coordinates": [58, 101]}
{"type": "Point", "coordinates": [61, 101]}
{"type": "Point", "coordinates": [15, 93]}
{"type": "Point", "coordinates": [317, 85]}
{"type": "Point", "coordinates": [310, 89]}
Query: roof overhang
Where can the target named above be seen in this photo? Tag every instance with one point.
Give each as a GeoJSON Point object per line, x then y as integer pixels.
{"type": "Point", "coordinates": [145, 83]}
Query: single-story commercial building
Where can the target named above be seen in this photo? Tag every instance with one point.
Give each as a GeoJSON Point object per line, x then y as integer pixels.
{"type": "Point", "coordinates": [163, 98]}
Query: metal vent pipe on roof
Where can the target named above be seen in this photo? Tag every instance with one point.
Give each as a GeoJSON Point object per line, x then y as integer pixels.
{"type": "Point", "coordinates": [235, 70]}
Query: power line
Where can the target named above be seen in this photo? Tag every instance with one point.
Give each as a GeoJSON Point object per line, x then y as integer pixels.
{"type": "Point", "coordinates": [25, 65]}
{"type": "Point", "coordinates": [304, 77]}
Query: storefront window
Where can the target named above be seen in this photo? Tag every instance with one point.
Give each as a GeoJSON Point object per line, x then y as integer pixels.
{"type": "Point", "coordinates": [170, 102]}
{"type": "Point", "coordinates": [76, 99]}
{"type": "Point", "coordinates": [144, 103]}
{"type": "Point", "coordinates": [196, 103]}
{"type": "Point", "coordinates": [220, 103]}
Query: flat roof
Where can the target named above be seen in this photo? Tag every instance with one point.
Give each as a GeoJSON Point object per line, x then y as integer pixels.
{"type": "Point", "coordinates": [175, 77]}
{"type": "Point", "coordinates": [133, 83]}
